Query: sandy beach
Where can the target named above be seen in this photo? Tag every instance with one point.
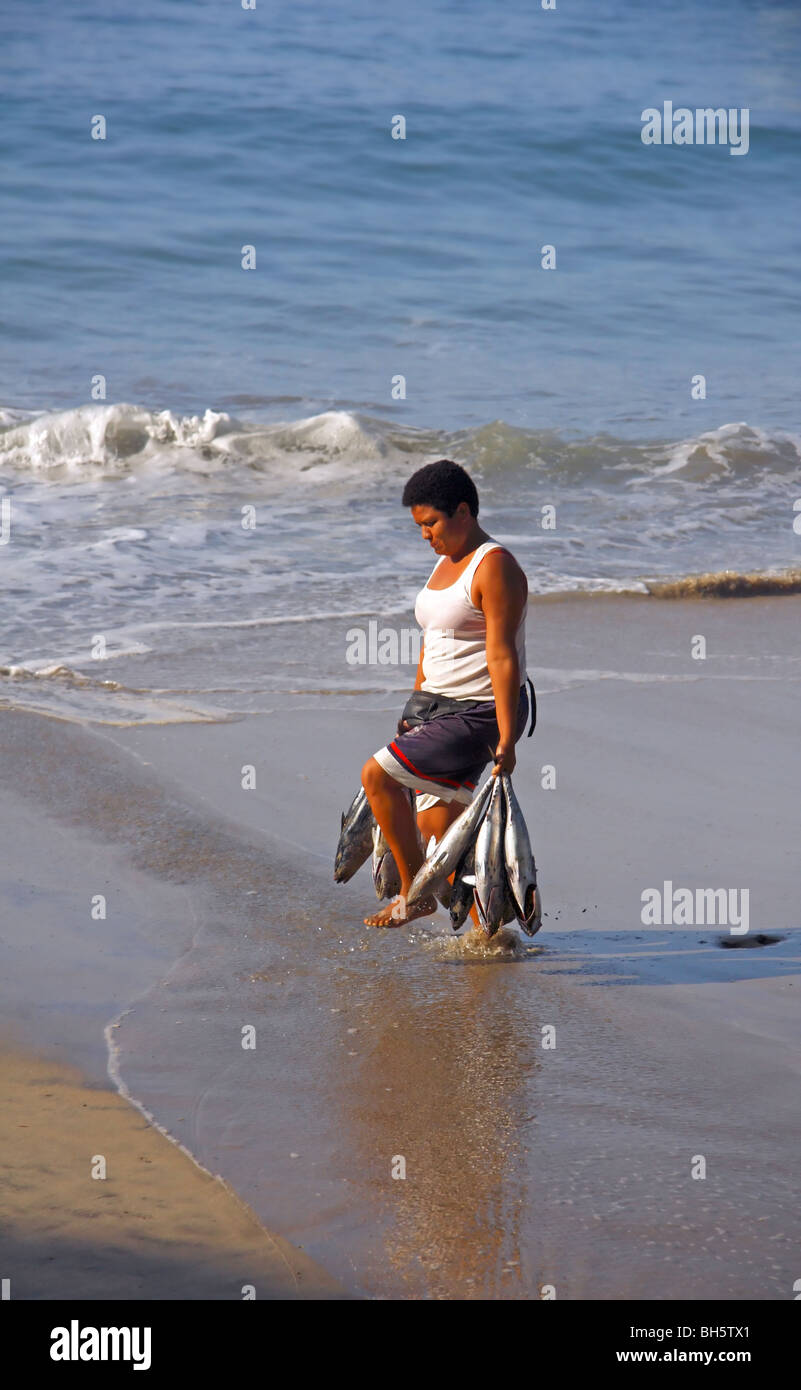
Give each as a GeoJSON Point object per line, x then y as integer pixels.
{"type": "Point", "coordinates": [154, 1227]}
{"type": "Point", "coordinates": [526, 1164]}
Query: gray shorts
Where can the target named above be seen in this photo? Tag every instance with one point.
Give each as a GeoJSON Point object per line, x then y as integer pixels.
{"type": "Point", "coordinates": [443, 759]}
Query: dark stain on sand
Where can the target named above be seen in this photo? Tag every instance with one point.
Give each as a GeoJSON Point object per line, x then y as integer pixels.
{"type": "Point", "coordinates": [760, 939]}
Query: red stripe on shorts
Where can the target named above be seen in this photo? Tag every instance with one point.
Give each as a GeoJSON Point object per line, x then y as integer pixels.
{"type": "Point", "coordinates": [443, 781]}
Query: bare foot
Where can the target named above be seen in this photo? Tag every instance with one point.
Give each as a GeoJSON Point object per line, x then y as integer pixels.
{"type": "Point", "coordinates": [397, 914]}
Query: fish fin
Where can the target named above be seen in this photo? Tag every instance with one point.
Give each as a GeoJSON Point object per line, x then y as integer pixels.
{"type": "Point", "coordinates": [532, 921]}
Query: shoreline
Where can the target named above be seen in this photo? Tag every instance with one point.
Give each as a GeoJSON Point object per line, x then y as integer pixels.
{"type": "Point", "coordinates": [221, 915]}
{"type": "Point", "coordinates": [156, 1226]}
{"type": "Point", "coordinates": [68, 979]}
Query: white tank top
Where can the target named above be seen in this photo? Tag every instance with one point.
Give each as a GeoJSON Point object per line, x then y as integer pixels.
{"type": "Point", "coordinates": [455, 636]}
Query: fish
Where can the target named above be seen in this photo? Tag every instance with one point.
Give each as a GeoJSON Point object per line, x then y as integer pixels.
{"type": "Point", "coordinates": [464, 882]}
{"type": "Point", "coordinates": [492, 885]}
{"type": "Point", "coordinates": [355, 838]}
{"type": "Point", "coordinates": [509, 904]}
{"type": "Point", "coordinates": [386, 878]}
{"type": "Point", "coordinates": [443, 892]}
{"type": "Point", "coordinates": [435, 870]}
{"type": "Point", "coordinates": [520, 866]}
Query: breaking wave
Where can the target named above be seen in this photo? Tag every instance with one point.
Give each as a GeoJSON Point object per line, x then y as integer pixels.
{"type": "Point", "coordinates": [116, 440]}
{"type": "Point", "coordinates": [728, 584]}
{"type": "Point", "coordinates": [717, 584]}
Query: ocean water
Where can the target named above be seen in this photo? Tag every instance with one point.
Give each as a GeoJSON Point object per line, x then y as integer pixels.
{"type": "Point", "coordinates": [139, 588]}
{"type": "Point", "coordinates": [421, 256]}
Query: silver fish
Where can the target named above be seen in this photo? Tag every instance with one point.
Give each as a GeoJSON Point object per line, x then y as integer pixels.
{"type": "Point", "coordinates": [460, 833]}
{"type": "Point", "coordinates": [355, 838]}
{"type": "Point", "coordinates": [462, 892]}
{"type": "Point", "coordinates": [520, 866]}
{"type": "Point", "coordinates": [491, 881]}
{"type": "Point", "coordinates": [386, 879]}
{"type": "Point", "coordinates": [509, 904]}
{"type": "Point", "coordinates": [444, 890]}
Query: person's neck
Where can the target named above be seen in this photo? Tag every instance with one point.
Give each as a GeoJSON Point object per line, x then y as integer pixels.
{"type": "Point", "coordinates": [471, 542]}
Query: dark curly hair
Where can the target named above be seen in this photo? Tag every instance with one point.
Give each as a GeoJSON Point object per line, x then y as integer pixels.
{"type": "Point", "coordinates": [443, 485]}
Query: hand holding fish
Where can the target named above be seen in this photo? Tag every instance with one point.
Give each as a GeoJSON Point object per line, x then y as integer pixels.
{"type": "Point", "coordinates": [505, 759]}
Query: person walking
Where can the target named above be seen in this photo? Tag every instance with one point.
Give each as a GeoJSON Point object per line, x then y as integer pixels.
{"type": "Point", "coordinates": [470, 702]}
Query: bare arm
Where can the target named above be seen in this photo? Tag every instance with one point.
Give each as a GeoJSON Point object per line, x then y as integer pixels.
{"type": "Point", "coordinates": [500, 590]}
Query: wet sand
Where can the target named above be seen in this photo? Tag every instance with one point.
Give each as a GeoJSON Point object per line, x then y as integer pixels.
{"type": "Point", "coordinates": [154, 1227]}
{"type": "Point", "coordinates": [525, 1165]}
